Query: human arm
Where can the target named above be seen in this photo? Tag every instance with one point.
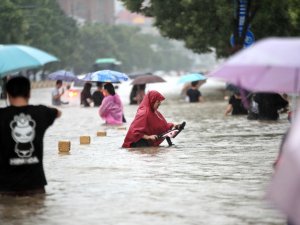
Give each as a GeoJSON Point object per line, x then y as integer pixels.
{"type": "Point", "coordinates": [201, 99]}
{"type": "Point", "coordinates": [89, 99]}
{"type": "Point", "coordinates": [59, 113]}
{"type": "Point", "coordinates": [228, 110]}
{"type": "Point", "coordinates": [56, 94]}
{"type": "Point", "coordinates": [103, 109]}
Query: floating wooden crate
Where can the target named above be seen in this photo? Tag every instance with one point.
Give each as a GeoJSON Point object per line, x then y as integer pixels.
{"type": "Point", "coordinates": [85, 140]}
{"type": "Point", "coordinates": [64, 146]}
{"type": "Point", "coordinates": [101, 133]}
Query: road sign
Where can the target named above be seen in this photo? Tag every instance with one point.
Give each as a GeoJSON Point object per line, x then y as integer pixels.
{"type": "Point", "coordinates": [249, 39]}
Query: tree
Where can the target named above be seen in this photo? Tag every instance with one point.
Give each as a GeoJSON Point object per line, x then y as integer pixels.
{"type": "Point", "coordinates": [207, 24]}
{"type": "Point", "coordinates": [41, 24]}
{"type": "Point", "coordinates": [127, 45]}
{"type": "Point", "coordinates": [12, 23]}
{"type": "Point", "coordinates": [51, 30]}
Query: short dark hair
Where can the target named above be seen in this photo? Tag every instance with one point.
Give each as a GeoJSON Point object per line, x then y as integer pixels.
{"type": "Point", "coordinates": [99, 84]}
{"type": "Point", "coordinates": [18, 87]}
{"type": "Point", "coordinates": [87, 86]}
{"type": "Point", "coordinates": [110, 88]}
{"type": "Point", "coordinates": [194, 83]}
{"type": "Point", "coordinates": [58, 82]}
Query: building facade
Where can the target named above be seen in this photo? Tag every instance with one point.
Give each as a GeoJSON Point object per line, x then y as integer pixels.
{"type": "Point", "coordinates": [93, 11]}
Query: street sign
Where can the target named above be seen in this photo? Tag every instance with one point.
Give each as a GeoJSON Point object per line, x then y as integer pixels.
{"type": "Point", "coordinates": [249, 39]}
{"type": "Point", "coordinates": [242, 15]}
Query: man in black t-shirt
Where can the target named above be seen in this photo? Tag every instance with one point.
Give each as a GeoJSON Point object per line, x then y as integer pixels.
{"type": "Point", "coordinates": [22, 129]}
{"type": "Point", "coordinates": [235, 105]}
{"type": "Point", "coordinates": [193, 93]}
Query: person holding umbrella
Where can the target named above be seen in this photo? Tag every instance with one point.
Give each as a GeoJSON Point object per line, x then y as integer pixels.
{"type": "Point", "coordinates": [190, 91]}
{"type": "Point", "coordinates": [57, 93]}
{"type": "Point", "coordinates": [193, 93]}
{"type": "Point", "coordinates": [139, 86]}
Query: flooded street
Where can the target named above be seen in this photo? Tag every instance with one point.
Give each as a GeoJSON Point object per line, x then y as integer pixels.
{"type": "Point", "coordinates": [216, 173]}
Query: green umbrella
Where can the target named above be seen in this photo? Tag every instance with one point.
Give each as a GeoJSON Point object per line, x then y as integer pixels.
{"type": "Point", "coordinates": [107, 60]}
{"type": "Point", "coordinates": [14, 58]}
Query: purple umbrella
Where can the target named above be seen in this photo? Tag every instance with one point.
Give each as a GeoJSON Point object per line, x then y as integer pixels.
{"type": "Point", "coordinates": [284, 190]}
{"type": "Point", "coordinates": [270, 65]}
{"type": "Point", "coordinates": [273, 65]}
{"type": "Point", "coordinates": [63, 75]}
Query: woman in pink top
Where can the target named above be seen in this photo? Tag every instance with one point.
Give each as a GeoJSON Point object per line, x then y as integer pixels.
{"type": "Point", "coordinates": [111, 109]}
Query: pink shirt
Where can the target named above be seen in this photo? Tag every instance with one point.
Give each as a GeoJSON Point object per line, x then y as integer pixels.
{"type": "Point", "coordinates": [111, 110]}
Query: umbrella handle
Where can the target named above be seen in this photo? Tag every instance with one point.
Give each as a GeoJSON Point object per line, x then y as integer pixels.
{"type": "Point", "coordinates": [169, 141]}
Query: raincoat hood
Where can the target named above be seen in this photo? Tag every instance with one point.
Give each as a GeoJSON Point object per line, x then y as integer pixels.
{"type": "Point", "coordinates": [150, 99]}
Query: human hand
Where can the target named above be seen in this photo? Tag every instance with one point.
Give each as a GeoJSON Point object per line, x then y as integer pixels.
{"type": "Point", "coordinates": [177, 126]}
{"type": "Point", "coordinates": [150, 137]}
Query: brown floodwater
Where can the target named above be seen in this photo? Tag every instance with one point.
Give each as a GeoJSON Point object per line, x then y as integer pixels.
{"type": "Point", "coordinates": [216, 173]}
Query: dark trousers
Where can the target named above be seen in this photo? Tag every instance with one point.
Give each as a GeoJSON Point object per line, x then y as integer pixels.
{"type": "Point", "coordinates": [140, 143]}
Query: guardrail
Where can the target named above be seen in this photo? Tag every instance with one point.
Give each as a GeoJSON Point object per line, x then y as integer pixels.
{"type": "Point", "coordinates": [42, 84]}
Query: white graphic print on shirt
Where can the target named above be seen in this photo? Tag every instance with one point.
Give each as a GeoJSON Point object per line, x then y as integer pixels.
{"type": "Point", "coordinates": [23, 133]}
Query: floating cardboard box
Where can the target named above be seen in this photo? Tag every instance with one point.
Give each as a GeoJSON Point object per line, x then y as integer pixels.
{"type": "Point", "coordinates": [85, 140]}
{"type": "Point", "coordinates": [101, 133]}
{"type": "Point", "coordinates": [64, 146]}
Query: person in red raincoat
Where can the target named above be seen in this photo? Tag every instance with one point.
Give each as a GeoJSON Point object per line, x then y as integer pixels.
{"type": "Point", "coordinates": [148, 123]}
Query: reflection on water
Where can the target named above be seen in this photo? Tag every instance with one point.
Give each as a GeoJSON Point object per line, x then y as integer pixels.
{"type": "Point", "coordinates": [216, 173]}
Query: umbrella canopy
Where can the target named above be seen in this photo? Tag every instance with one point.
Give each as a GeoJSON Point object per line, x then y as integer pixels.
{"type": "Point", "coordinates": [14, 58]}
{"type": "Point", "coordinates": [63, 75]}
{"type": "Point", "coordinates": [270, 65]}
{"type": "Point", "coordinates": [191, 77]}
{"type": "Point", "coordinates": [147, 79]}
{"type": "Point", "coordinates": [106, 76]}
{"type": "Point", "coordinates": [137, 74]}
{"type": "Point", "coordinates": [284, 188]}
{"type": "Point", "coordinates": [107, 60]}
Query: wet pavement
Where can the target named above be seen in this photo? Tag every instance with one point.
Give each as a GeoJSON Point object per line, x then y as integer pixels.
{"type": "Point", "coordinates": [216, 173]}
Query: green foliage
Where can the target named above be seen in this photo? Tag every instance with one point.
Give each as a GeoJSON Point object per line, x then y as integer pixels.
{"type": "Point", "coordinates": [203, 24]}
{"type": "Point", "coordinates": [129, 46]}
{"type": "Point", "coordinates": [42, 24]}
{"type": "Point", "coordinates": [51, 30]}
{"type": "Point", "coordinates": [12, 23]}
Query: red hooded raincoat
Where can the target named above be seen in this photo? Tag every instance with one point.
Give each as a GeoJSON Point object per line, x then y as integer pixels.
{"type": "Point", "coordinates": [147, 121]}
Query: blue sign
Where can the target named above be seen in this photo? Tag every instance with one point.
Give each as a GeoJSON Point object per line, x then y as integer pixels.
{"type": "Point", "coordinates": [242, 15]}
{"type": "Point", "coordinates": [249, 39]}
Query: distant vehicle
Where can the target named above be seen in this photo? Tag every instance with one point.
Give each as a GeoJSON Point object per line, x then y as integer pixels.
{"type": "Point", "coordinates": [106, 64]}
{"type": "Point", "coordinates": [72, 92]}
